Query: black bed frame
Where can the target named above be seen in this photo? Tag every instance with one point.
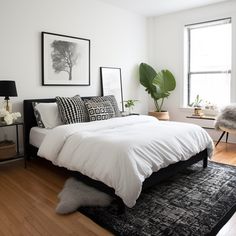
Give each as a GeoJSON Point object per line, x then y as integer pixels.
{"type": "Point", "coordinates": [156, 177]}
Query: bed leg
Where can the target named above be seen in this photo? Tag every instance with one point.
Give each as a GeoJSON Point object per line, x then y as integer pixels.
{"type": "Point", "coordinates": [205, 162]}
{"type": "Point", "coordinates": [121, 206]}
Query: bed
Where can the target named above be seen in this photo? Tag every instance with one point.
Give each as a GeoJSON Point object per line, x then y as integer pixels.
{"type": "Point", "coordinates": [38, 136]}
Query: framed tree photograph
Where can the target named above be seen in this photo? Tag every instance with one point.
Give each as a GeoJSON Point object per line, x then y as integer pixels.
{"type": "Point", "coordinates": [112, 84]}
{"type": "Point", "coordinates": [65, 60]}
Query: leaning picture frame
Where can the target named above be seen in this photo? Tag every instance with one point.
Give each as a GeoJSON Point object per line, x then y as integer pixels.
{"type": "Point", "coordinates": [111, 83]}
{"type": "Point", "coordinates": [65, 60]}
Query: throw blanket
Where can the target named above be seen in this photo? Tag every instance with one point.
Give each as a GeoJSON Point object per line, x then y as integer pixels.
{"type": "Point", "coordinates": [122, 152]}
{"type": "Point", "coordinates": [227, 118]}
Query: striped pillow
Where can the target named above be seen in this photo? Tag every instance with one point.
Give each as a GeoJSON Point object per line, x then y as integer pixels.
{"type": "Point", "coordinates": [99, 110]}
{"type": "Point", "coordinates": [72, 110]}
{"type": "Point", "coordinates": [109, 98]}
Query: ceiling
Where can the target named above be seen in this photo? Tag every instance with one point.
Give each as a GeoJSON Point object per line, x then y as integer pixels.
{"type": "Point", "coordinates": [160, 7]}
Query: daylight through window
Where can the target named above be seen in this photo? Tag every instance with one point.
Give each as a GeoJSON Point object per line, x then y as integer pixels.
{"type": "Point", "coordinates": [209, 62]}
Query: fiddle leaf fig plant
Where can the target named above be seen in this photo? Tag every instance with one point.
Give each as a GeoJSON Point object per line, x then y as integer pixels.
{"type": "Point", "coordinates": [157, 84]}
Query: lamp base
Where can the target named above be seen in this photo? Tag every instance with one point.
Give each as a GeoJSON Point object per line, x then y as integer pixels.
{"type": "Point", "coordinates": [7, 105]}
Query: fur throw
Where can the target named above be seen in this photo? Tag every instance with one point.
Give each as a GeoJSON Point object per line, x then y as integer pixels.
{"type": "Point", "coordinates": [227, 118]}
{"type": "Point", "coordinates": [76, 194]}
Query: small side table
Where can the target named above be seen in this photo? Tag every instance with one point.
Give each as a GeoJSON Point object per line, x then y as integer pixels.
{"type": "Point", "coordinates": [18, 154]}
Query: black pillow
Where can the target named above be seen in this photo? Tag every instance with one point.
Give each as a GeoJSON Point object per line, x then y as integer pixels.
{"type": "Point", "coordinates": [72, 109]}
{"type": "Point", "coordinates": [109, 98]}
{"type": "Point", "coordinates": [99, 110]}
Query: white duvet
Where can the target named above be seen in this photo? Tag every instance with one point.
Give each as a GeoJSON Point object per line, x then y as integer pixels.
{"type": "Point", "coordinates": [122, 152]}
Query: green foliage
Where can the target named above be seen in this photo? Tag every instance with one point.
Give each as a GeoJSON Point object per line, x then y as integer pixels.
{"type": "Point", "coordinates": [158, 85]}
{"type": "Point", "coordinates": [197, 102]}
{"type": "Point", "coordinates": [130, 103]}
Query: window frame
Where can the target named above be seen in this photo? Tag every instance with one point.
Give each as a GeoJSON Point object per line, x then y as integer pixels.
{"type": "Point", "coordinates": [188, 28]}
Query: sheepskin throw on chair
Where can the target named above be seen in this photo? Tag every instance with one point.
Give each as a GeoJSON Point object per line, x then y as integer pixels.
{"type": "Point", "coordinates": [226, 121]}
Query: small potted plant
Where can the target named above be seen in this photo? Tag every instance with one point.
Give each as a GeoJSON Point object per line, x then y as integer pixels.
{"type": "Point", "coordinates": [130, 105]}
{"type": "Point", "coordinates": [197, 106]}
{"type": "Point", "coordinates": [158, 85]}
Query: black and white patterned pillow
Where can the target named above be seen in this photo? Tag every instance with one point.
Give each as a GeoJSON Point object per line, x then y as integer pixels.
{"type": "Point", "coordinates": [72, 110]}
{"type": "Point", "coordinates": [37, 115]}
{"type": "Point", "coordinates": [99, 110]}
{"type": "Point", "coordinates": [109, 98]}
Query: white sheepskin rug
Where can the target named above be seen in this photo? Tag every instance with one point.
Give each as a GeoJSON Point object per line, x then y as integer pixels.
{"type": "Point", "coordinates": [76, 194]}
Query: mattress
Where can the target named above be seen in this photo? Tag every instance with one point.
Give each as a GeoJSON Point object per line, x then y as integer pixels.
{"type": "Point", "coordinates": [37, 136]}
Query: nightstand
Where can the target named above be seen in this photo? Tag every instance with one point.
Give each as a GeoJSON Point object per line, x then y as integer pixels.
{"type": "Point", "coordinates": [17, 154]}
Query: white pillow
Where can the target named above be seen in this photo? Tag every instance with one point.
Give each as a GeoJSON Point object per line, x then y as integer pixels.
{"type": "Point", "coordinates": [49, 114]}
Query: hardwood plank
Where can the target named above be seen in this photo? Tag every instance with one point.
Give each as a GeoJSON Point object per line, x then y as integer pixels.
{"type": "Point", "coordinates": [225, 153]}
{"type": "Point", "coordinates": [28, 198]}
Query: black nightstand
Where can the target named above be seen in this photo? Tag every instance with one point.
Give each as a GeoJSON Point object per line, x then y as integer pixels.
{"type": "Point", "coordinates": [18, 155]}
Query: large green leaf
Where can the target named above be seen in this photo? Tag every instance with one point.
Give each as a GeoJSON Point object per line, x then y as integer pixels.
{"type": "Point", "coordinates": [146, 77]}
{"type": "Point", "coordinates": [158, 85]}
{"type": "Point", "coordinates": [164, 82]}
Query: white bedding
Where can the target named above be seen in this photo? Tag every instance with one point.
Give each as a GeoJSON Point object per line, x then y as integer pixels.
{"type": "Point", "coordinates": [37, 136]}
{"type": "Point", "coordinates": [122, 152]}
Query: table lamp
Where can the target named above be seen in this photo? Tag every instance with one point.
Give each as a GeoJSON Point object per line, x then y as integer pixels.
{"type": "Point", "coordinates": [7, 89]}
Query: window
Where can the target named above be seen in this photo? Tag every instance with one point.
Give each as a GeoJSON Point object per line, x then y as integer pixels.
{"type": "Point", "coordinates": [208, 61]}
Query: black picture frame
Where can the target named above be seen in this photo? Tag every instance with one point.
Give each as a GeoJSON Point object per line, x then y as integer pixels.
{"type": "Point", "coordinates": [111, 83]}
{"type": "Point", "coordinates": [65, 60]}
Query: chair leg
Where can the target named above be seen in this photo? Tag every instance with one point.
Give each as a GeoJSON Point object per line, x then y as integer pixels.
{"type": "Point", "coordinates": [222, 135]}
{"type": "Point", "coordinates": [227, 135]}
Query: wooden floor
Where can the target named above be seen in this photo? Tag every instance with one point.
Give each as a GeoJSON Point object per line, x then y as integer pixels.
{"type": "Point", "coordinates": [28, 198]}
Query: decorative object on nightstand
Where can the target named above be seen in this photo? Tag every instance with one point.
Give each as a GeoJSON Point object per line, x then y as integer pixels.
{"type": "Point", "coordinates": [8, 89]}
{"type": "Point", "coordinates": [158, 85]}
{"type": "Point", "coordinates": [130, 104]}
{"type": "Point", "coordinates": [8, 118]}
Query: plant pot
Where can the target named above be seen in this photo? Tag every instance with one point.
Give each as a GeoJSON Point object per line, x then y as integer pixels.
{"type": "Point", "coordinates": [160, 115]}
{"type": "Point", "coordinates": [198, 111]}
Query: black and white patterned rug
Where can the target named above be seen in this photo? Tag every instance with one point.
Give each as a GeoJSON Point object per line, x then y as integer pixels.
{"type": "Point", "coordinates": [196, 201]}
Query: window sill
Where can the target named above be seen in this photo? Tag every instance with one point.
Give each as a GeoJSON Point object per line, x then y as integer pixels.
{"type": "Point", "coordinates": [205, 111]}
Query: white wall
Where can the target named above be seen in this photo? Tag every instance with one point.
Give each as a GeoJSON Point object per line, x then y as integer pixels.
{"type": "Point", "coordinates": [166, 50]}
{"type": "Point", "coordinates": [118, 38]}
